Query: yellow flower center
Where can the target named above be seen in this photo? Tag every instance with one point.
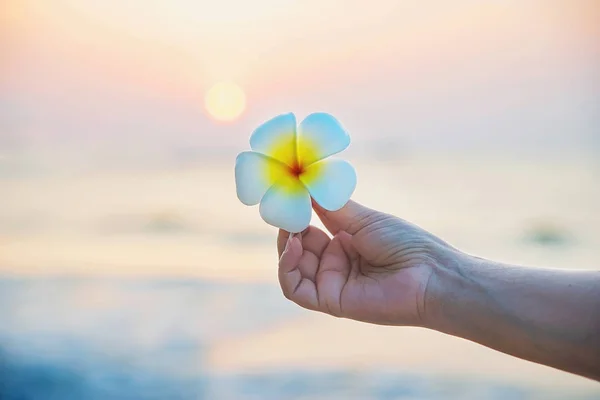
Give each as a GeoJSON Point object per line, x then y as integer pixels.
{"type": "Point", "coordinates": [297, 157]}
{"type": "Point", "coordinates": [296, 170]}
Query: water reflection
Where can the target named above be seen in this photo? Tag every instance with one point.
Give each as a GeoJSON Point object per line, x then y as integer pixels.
{"type": "Point", "coordinates": [74, 338]}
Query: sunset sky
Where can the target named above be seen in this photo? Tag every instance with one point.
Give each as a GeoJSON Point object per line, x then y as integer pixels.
{"type": "Point", "coordinates": [434, 73]}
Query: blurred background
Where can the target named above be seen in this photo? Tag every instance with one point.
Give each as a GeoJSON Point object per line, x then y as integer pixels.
{"type": "Point", "coordinates": [129, 269]}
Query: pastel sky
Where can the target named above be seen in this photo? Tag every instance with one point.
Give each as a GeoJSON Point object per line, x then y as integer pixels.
{"type": "Point", "coordinates": [426, 73]}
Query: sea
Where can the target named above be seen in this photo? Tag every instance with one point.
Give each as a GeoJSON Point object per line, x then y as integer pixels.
{"type": "Point", "coordinates": [156, 283]}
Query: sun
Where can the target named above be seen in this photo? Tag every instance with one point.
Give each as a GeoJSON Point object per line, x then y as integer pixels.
{"type": "Point", "coordinates": [225, 101]}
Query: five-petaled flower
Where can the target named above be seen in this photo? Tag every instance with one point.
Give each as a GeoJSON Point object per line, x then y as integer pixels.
{"type": "Point", "coordinates": [288, 166]}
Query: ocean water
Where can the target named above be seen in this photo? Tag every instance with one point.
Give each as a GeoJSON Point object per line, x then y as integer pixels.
{"type": "Point", "coordinates": [157, 283]}
{"type": "Point", "coordinates": [74, 338]}
{"type": "Point", "coordinates": [83, 338]}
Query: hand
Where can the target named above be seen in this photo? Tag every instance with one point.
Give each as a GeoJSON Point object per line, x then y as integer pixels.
{"type": "Point", "coordinates": [380, 269]}
{"type": "Point", "coordinates": [376, 268]}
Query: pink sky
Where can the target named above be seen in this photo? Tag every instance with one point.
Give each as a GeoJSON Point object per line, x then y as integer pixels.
{"type": "Point", "coordinates": [444, 72]}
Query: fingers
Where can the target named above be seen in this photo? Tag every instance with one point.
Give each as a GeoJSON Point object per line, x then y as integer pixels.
{"type": "Point", "coordinates": [297, 270]}
{"type": "Point", "coordinates": [313, 240]}
{"type": "Point", "coordinates": [282, 238]}
{"type": "Point", "coordinates": [333, 274]}
{"type": "Point", "coordinates": [350, 218]}
{"type": "Point", "coordinates": [291, 255]}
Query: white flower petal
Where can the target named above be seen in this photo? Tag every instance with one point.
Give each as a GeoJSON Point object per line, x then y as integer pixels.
{"type": "Point", "coordinates": [320, 135]}
{"type": "Point", "coordinates": [287, 205]}
{"type": "Point", "coordinates": [276, 138]}
{"type": "Point", "coordinates": [255, 173]}
{"type": "Point", "coordinates": [330, 182]}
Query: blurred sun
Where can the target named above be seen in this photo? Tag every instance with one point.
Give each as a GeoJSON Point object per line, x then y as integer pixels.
{"type": "Point", "coordinates": [225, 101]}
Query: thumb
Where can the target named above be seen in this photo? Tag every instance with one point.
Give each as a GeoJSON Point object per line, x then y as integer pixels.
{"type": "Point", "coordinates": [351, 218]}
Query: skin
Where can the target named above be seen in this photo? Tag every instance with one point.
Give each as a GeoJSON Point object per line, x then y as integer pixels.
{"type": "Point", "coordinates": [380, 269]}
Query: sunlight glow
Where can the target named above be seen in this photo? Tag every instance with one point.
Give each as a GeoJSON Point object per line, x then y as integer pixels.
{"type": "Point", "coordinates": [225, 101]}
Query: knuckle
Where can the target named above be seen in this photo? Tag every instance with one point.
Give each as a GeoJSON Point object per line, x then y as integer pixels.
{"type": "Point", "coordinates": [370, 221]}
{"type": "Point", "coordinates": [287, 294]}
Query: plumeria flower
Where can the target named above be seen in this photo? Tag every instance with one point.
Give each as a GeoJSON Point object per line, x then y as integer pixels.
{"type": "Point", "coordinates": [288, 166]}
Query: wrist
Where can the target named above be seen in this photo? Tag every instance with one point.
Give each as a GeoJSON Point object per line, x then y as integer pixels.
{"type": "Point", "coordinates": [449, 290]}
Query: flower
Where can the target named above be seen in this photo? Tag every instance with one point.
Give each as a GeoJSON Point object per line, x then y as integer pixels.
{"type": "Point", "coordinates": [288, 166]}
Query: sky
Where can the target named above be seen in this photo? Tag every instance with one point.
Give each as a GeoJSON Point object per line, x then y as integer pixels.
{"type": "Point", "coordinates": [430, 74]}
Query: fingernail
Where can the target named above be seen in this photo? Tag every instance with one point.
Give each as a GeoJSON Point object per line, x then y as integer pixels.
{"type": "Point", "coordinates": [296, 249]}
{"type": "Point", "coordinates": [289, 241]}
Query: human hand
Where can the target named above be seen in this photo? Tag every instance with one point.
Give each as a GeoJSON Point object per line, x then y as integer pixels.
{"type": "Point", "coordinates": [380, 269]}
{"type": "Point", "coordinates": [375, 269]}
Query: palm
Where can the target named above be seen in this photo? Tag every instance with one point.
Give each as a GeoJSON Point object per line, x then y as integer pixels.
{"type": "Point", "coordinates": [376, 274]}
